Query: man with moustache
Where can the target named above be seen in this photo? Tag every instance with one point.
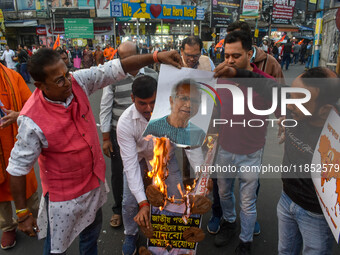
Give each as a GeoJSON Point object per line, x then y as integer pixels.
{"type": "Point", "coordinates": [57, 126]}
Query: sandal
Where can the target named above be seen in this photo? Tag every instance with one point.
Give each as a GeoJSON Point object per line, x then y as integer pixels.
{"type": "Point", "coordinates": [116, 221]}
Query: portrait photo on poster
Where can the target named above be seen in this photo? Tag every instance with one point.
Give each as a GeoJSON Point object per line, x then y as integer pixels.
{"type": "Point", "coordinates": [184, 103]}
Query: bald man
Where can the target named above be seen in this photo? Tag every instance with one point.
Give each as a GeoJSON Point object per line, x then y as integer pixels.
{"type": "Point", "coordinates": [115, 100]}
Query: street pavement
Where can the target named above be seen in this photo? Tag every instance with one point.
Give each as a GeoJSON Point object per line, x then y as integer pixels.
{"type": "Point", "coordinates": [111, 240]}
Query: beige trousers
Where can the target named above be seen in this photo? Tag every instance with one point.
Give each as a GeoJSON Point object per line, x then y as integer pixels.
{"type": "Point", "coordinates": [7, 222]}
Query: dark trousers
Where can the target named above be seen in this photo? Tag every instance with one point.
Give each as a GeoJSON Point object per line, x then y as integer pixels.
{"type": "Point", "coordinates": [24, 73]}
{"type": "Point", "coordinates": [116, 174]}
{"type": "Point", "coordinates": [286, 59]}
{"type": "Point", "coordinates": [216, 206]}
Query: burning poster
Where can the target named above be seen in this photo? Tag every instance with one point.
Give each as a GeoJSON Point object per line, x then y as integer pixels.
{"type": "Point", "coordinates": [325, 170]}
{"type": "Point", "coordinates": [183, 108]}
{"type": "Point", "coordinates": [176, 221]}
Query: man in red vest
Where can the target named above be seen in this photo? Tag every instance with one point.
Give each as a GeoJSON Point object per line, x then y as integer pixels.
{"type": "Point", "coordinates": [57, 127]}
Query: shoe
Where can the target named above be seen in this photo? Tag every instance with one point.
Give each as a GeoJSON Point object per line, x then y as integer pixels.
{"type": "Point", "coordinates": [130, 245]}
{"type": "Point", "coordinates": [116, 220]}
{"type": "Point", "coordinates": [8, 239]}
{"type": "Point", "coordinates": [213, 225]}
{"type": "Point", "coordinates": [226, 233]}
{"type": "Point", "coordinates": [243, 248]}
{"type": "Point", "coordinates": [257, 229]}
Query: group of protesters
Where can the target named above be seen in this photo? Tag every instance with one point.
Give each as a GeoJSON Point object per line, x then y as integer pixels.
{"type": "Point", "coordinates": [55, 125]}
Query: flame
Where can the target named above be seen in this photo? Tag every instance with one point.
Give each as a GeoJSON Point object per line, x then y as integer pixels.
{"type": "Point", "coordinates": [159, 171]}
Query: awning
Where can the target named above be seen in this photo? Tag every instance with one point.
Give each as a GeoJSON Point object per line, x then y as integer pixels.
{"type": "Point", "coordinates": [21, 23]}
{"type": "Point", "coordinates": [305, 28]}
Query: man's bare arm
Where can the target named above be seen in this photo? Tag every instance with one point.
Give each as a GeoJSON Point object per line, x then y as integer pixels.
{"type": "Point", "coordinates": [136, 62]}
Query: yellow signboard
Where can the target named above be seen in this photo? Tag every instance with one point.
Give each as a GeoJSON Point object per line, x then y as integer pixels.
{"type": "Point", "coordinates": [196, 30]}
{"type": "Point", "coordinates": [213, 35]}
{"type": "Point", "coordinates": [2, 22]}
{"type": "Point", "coordinates": [256, 33]}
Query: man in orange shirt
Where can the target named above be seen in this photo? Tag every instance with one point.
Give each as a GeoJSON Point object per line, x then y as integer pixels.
{"type": "Point", "coordinates": [109, 52]}
{"type": "Point", "coordinates": [13, 94]}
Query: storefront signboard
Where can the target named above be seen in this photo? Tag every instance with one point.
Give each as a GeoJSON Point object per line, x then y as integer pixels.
{"type": "Point", "coordinates": [26, 5]}
{"type": "Point", "coordinates": [79, 28]}
{"type": "Point", "coordinates": [7, 5]}
{"type": "Point", "coordinates": [224, 12]}
{"type": "Point", "coordinates": [153, 11]}
{"type": "Point", "coordinates": [86, 4]}
{"type": "Point", "coordinates": [250, 9]}
{"type": "Point", "coordinates": [283, 11]}
{"type": "Point", "coordinates": [64, 3]}
{"type": "Point", "coordinates": [2, 23]}
{"type": "Point", "coordinates": [41, 10]}
{"type": "Point", "coordinates": [166, 29]}
{"type": "Point", "coordinates": [99, 29]}
{"type": "Point", "coordinates": [103, 8]}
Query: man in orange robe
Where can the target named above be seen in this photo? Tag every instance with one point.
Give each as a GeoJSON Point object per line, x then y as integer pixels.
{"type": "Point", "coordinates": [13, 94]}
{"type": "Point", "coordinates": [109, 52]}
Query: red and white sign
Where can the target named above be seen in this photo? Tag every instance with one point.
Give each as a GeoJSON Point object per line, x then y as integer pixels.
{"type": "Point", "coordinates": [41, 30]}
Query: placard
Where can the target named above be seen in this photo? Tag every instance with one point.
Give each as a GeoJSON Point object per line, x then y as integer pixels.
{"type": "Point", "coordinates": [168, 228]}
{"type": "Point", "coordinates": [325, 171]}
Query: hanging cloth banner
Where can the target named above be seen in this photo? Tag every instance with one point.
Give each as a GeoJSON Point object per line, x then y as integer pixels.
{"type": "Point", "coordinates": [153, 11]}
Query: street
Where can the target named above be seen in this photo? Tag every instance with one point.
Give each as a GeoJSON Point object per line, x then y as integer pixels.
{"type": "Point", "coordinates": [111, 240]}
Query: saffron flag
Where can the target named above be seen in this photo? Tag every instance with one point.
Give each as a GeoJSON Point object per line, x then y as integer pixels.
{"type": "Point", "coordinates": [56, 43]}
{"type": "Point", "coordinates": [301, 41]}
{"type": "Point", "coordinates": [220, 44]}
{"type": "Point", "coordinates": [281, 40]}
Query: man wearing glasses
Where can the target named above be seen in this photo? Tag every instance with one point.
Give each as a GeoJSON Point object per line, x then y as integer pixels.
{"type": "Point", "coordinates": [57, 126]}
{"type": "Point", "coordinates": [191, 49]}
{"type": "Point", "coordinates": [185, 100]}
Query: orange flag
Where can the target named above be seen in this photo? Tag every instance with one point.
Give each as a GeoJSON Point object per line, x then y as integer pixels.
{"type": "Point", "coordinates": [220, 44]}
{"type": "Point", "coordinates": [283, 37]}
{"type": "Point", "coordinates": [301, 42]}
{"type": "Point", "coordinates": [114, 53]}
{"type": "Point", "coordinates": [56, 43]}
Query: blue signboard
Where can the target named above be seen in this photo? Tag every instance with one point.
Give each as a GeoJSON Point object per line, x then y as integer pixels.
{"type": "Point", "coordinates": [156, 11]}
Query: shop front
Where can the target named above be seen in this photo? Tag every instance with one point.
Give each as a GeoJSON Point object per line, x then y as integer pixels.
{"type": "Point", "coordinates": [103, 33]}
{"type": "Point", "coordinates": [151, 24]}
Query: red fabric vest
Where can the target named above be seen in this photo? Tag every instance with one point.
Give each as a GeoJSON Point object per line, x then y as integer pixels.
{"type": "Point", "coordinates": [73, 161]}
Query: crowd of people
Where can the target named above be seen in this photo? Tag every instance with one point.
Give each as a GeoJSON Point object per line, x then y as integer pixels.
{"type": "Point", "coordinates": [55, 125]}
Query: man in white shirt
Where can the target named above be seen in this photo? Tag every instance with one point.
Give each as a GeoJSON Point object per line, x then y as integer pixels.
{"type": "Point", "coordinates": [136, 152]}
{"type": "Point", "coordinates": [115, 100]}
{"type": "Point", "coordinates": [8, 57]}
{"type": "Point", "coordinates": [66, 214]}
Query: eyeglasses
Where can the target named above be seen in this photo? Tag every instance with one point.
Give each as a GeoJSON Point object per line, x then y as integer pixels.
{"type": "Point", "coordinates": [197, 56]}
{"type": "Point", "coordinates": [61, 82]}
{"type": "Point", "coordinates": [185, 99]}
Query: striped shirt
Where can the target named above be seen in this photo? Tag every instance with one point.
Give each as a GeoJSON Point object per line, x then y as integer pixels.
{"type": "Point", "coordinates": [116, 99]}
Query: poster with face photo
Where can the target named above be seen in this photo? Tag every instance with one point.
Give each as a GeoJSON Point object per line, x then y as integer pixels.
{"type": "Point", "coordinates": [184, 104]}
